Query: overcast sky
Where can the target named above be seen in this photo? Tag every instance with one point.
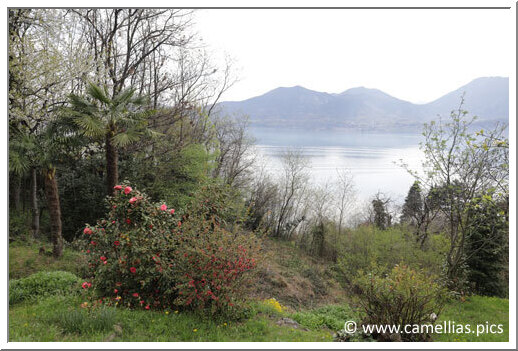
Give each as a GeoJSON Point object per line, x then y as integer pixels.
{"type": "Point", "coordinates": [414, 55]}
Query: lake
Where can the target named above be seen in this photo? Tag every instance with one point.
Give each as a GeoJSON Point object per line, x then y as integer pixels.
{"type": "Point", "coordinates": [369, 157]}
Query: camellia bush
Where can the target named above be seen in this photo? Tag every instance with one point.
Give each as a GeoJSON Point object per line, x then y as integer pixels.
{"type": "Point", "coordinates": [146, 255]}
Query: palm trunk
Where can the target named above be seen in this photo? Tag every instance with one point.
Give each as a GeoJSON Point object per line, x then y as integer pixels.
{"type": "Point", "coordinates": [35, 224]}
{"type": "Point", "coordinates": [17, 188]}
{"type": "Point", "coordinates": [51, 191]}
{"type": "Point", "coordinates": [112, 157]}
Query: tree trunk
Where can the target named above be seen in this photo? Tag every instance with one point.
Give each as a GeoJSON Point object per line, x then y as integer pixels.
{"type": "Point", "coordinates": [35, 224]}
{"type": "Point", "coordinates": [51, 191]}
{"type": "Point", "coordinates": [16, 191]}
{"type": "Point", "coordinates": [112, 157]}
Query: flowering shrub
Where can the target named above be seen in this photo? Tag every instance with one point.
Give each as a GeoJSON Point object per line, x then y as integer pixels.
{"type": "Point", "coordinates": [213, 266]}
{"type": "Point", "coordinates": [147, 256]}
{"type": "Point", "coordinates": [275, 304]}
{"type": "Point", "coordinates": [128, 251]}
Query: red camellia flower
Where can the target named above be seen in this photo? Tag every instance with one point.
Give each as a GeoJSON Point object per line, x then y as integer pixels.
{"type": "Point", "coordinates": [172, 211]}
{"type": "Point", "coordinates": [115, 291]}
{"type": "Point", "coordinates": [133, 200]}
{"type": "Point", "coordinates": [87, 251]}
{"type": "Point", "coordinates": [86, 285]}
{"type": "Point", "coordinates": [128, 220]}
{"type": "Point", "coordinates": [147, 307]}
{"type": "Point", "coordinates": [163, 207]}
{"type": "Point", "coordinates": [117, 187]}
{"type": "Point", "coordinates": [135, 294]}
{"type": "Point", "coordinates": [103, 258]}
{"type": "Point", "coordinates": [127, 190]}
{"type": "Point", "coordinates": [116, 243]}
{"type": "Point", "coordinates": [133, 270]}
{"type": "Point", "coordinates": [142, 302]}
{"type": "Point", "coordinates": [92, 242]}
{"type": "Point", "coordinates": [87, 231]}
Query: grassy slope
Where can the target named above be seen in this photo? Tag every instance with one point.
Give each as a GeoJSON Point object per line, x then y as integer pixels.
{"type": "Point", "coordinates": [24, 260]}
{"type": "Point", "coordinates": [474, 311]}
{"type": "Point", "coordinates": [315, 301]}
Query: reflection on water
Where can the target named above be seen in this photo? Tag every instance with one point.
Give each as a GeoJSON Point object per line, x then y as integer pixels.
{"type": "Point", "coordinates": [370, 158]}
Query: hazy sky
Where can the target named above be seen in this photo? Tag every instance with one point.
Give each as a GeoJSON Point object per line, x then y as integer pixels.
{"type": "Point", "coordinates": [414, 55]}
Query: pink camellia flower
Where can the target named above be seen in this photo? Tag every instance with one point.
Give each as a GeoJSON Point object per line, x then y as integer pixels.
{"type": "Point", "coordinates": [133, 270]}
{"type": "Point", "coordinates": [93, 243]}
{"type": "Point", "coordinates": [87, 231]}
{"type": "Point", "coordinates": [172, 211]}
{"type": "Point", "coordinates": [86, 285]}
{"type": "Point", "coordinates": [163, 207]}
{"type": "Point", "coordinates": [135, 294]}
{"type": "Point", "coordinates": [127, 190]}
{"type": "Point", "coordinates": [142, 302]}
{"type": "Point", "coordinates": [115, 291]}
{"type": "Point", "coordinates": [147, 307]}
{"type": "Point", "coordinates": [105, 262]}
{"type": "Point", "coordinates": [132, 200]}
{"type": "Point", "coordinates": [103, 258]}
{"type": "Point", "coordinates": [117, 187]}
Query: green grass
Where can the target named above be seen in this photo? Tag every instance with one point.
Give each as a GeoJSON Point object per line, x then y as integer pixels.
{"type": "Point", "coordinates": [24, 260]}
{"type": "Point", "coordinates": [476, 310]}
{"type": "Point", "coordinates": [41, 284]}
{"type": "Point", "coordinates": [45, 321]}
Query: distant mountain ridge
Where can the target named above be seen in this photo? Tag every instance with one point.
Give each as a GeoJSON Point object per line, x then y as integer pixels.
{"type": "Point", "coordinates": [369, 109]}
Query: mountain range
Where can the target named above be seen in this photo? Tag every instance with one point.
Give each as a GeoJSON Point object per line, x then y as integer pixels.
{"type": "Point", "coordinates": [369, 109]}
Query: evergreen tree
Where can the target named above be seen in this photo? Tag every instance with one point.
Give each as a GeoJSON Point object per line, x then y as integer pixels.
{"type": "Point", "coordinates": [413, 207]}
{"type": "Point", "coordinates": [486, 262]}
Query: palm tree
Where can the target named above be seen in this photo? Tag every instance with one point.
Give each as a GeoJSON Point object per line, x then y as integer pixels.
{"type": "Point", "coordinates": [39, 151]}
{"type": "Point", "coordinates": [113, 122]}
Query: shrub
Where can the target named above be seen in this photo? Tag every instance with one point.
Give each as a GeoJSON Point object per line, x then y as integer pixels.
{"type": "Point", "coordinates": [129, 251]}
{"type": "Point", "coordinates": [42, 283]}
{"type": "Point", "coordinates": [332, 317]}
{"type": "Point", "coordinates": [213, 265]}
{"type": "Point", "coordinates": [367, 247]}
{"type": "Point", "coordinates": [147, 255]}
{"type": "Point", "coordinates": [403, 297]}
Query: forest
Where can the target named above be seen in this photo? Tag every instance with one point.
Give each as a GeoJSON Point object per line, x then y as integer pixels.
{"type": "Point", "coordinates": [139, 211]}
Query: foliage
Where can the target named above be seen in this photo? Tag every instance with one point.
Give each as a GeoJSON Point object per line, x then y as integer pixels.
{"type": "Point", "coordinates": [367, 247]}
{"type": "Point", "coordinates": [487, 263]}
{"type": "Point", "coordinates": [42, 283]}
{"type": "Point", "coordinates": [80, 194]}
{"type": "Point", "coordinates": [462, 164]}
{"type": "Point", "coordinates": [213, 264]}
{"type": "Point", "coordinates": [413, 206]}
{"type": "Point", "coordinates": [331, 316]}
{"type": "Point", "coordinates": [274, 304]}
{"type": "Point", "coordinates": [173, 175]}
{"type": "Point", "coordinates": [143, 255]}
{"type": "Point", "coordinates": [129, 251]}
{"type": "Point", "coordinates": [404, 296]}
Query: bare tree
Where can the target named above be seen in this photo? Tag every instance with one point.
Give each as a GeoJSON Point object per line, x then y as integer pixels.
{"type": "Point", "coordinates": [235, 150]}
{"type": "Point", "coordinates": [345, 196]}
{"type": "Point", "coordinates": [293, 183]}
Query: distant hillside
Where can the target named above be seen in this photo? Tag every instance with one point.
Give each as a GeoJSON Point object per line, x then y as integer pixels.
{"type": "Point", "coordinates": [368, 109]}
